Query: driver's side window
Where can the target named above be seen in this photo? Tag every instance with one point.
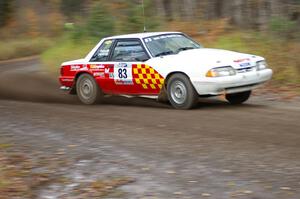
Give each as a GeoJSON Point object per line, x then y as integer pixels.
{"type": "Point", "coordinates": [103, 52]}
{"type": "Point", "coordinates": [129, 50]}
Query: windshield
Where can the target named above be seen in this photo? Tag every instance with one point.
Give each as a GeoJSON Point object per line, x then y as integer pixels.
{"type": "Point", "coordinates": [169, 44]}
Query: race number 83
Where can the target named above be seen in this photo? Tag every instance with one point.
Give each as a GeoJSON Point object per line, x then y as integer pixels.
{"type": "Point", "coordinates": [123, 74]}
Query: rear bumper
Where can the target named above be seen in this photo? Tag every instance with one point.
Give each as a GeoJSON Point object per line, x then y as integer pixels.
{"type": "Point", "coordinates": [232, 84]}
{"type": "Point", "coordinates": [66, 81]}
{"type": "Point", "coordinates": [65, 88]}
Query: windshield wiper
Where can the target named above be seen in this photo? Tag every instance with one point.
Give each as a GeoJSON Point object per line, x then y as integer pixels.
{"type": "Point", "coordinates": [164, 53]}
{"type": "Point", "coordinates": [185, 48]}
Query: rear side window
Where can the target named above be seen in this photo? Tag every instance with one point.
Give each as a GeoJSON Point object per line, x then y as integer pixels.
{"type": "Point", "coordinates": [103, 52]}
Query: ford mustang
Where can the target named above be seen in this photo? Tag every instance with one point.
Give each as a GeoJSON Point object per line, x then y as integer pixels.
{"type": "Point", "coordinates": [168, 65]}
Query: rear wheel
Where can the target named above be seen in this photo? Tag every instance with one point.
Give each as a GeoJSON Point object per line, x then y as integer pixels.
{"type": "Point", "coordinates": [238, 98]}
{"type": "Point", "coordinates": [181, 92]}
{"type": "Point", "coordinates": [87, 89]}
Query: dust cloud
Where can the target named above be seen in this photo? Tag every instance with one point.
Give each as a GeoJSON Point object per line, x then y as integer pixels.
{"type": "Point", "coordinates": [32, 87]}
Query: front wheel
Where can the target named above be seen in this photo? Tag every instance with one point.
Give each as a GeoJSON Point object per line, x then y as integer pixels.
{"type": "Point", "coordinates": [181, 92]}
{"type": "Point", "coordinates": [87, 89]}
{"type": "Point", "coordinates": [238, 98]}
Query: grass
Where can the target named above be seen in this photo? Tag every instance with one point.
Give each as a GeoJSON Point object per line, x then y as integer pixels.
{"type": "Point", "coordinates": [22, 47]}
{"type": "Point", "coordinates": [5, 146]}
{"type": "Point", "coordinates": [282, 56]}
{"type": "Point", "coordinates": [66, 50]}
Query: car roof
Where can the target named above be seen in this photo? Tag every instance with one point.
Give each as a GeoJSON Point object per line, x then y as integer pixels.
{"type": "Point", "coordinates": [141, 35]}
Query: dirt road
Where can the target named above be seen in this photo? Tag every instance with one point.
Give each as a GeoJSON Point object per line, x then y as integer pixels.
{"type": "Point", "coordinates": [215, 151]}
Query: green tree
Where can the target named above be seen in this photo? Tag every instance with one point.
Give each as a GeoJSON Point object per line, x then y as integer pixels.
{"type": "Point", "coordinates": [135, 16]}
{"type": "Point", "coordinates": [72, 8]}
{"type": "Point", "coordinates": [5, 11]}
{"type": "Point", "coordinates": [100, 22]}
{"type": "Point", "coordinates": [284, 27]}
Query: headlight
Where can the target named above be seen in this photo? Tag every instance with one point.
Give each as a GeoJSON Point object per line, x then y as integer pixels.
{"type": "Point", "coordinates": [221, 72]}
{"type": "Point", "coordinates": [261, 65]}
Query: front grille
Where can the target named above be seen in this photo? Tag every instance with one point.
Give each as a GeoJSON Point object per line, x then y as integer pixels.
{"type": "Point", "coordinates": [245, 70]}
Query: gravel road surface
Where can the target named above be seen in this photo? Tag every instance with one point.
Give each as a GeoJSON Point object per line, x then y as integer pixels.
{"type": "Point", "coordinates": [215, 151]}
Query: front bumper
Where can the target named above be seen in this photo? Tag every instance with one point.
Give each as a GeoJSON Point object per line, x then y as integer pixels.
{"type": "Point", "coordinates": [231, 84]}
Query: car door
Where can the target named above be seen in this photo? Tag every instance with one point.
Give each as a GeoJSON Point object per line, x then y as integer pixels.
{"type": "Point", "coordinates": [102, 68]}
{"type": "Point", "coordinates": [126, 56]}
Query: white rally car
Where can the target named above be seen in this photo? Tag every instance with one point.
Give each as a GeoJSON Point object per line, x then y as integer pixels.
{"type": "Point", "coordinates": [169, 65]}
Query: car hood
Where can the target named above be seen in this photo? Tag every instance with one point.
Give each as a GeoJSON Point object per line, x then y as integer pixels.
{"type": "Point", "coordinates": [209, 58]}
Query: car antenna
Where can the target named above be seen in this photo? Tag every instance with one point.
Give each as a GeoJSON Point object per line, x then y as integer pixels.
{"type": "Point", "coordinates": [143, 5]}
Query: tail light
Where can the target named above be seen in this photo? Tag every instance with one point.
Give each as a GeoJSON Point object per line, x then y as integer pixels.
{"type": "Point", "coordinates": [62, 70]}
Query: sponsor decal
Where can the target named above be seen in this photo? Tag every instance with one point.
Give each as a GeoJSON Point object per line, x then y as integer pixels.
{"type": "Point", "coordinates": [245, 64]}
{"type": "Point", "coordinates": [108, 42]}
{"type": "Point", "coordinates": [96, 67]}
{"type": "Point", "coordinates": [75, 67]}
{"type": "Point", "coordinates": [109, 71]}
{"type": "Point", "coordinates": [67, 80]}
{"type": "Point", "coordinates": [164, 37]}
{"type": "Point", "coordinates": [99, 74]}
{"type": "Point", "coordinates": [122, 65]}
{"type": "Point", "coordinates": [123, 82]}
{"type": "Point", "coordinates": [241, 60]}
{"type": "Point", "coordinates": [84, 68]}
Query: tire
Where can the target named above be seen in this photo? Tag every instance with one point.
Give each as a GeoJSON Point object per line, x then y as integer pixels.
{"type": "Point", "coordinates": [88, 90]}
{"type": "Point", "coordinates": [238, 98]}
{"type": "Point", "coordinates": [181, 92]}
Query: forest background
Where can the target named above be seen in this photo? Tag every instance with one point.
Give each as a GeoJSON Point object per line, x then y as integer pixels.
{"type": "Point", "coordinates": [61, 30]}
